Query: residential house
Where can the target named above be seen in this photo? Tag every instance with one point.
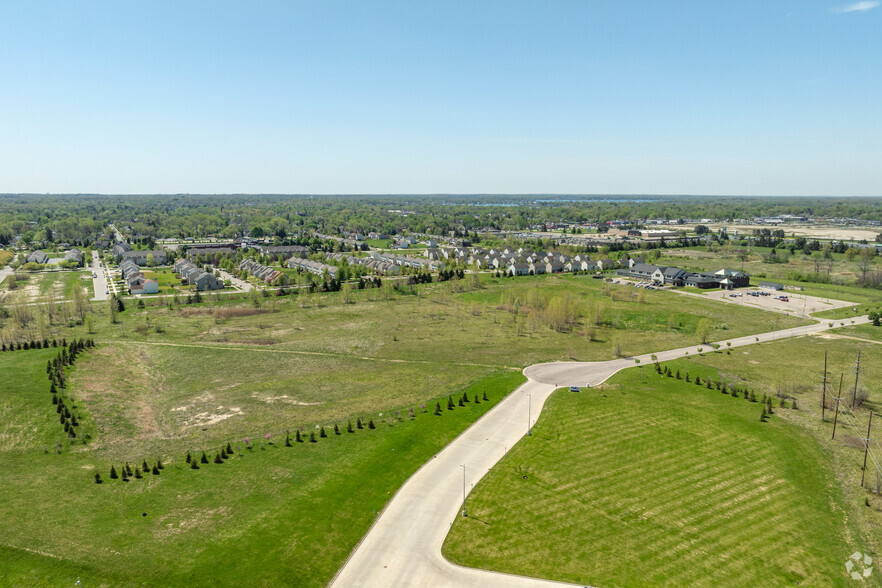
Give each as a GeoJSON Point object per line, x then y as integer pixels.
{"type": "Point", "coordinates": [38, 257]}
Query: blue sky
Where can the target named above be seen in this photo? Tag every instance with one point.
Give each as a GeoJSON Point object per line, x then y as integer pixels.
{"type": "Point", "coordinates": [621, 97]}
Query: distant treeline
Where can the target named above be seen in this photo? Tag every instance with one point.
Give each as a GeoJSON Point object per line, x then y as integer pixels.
{"type": "Point", "coordinates": [82, 218]}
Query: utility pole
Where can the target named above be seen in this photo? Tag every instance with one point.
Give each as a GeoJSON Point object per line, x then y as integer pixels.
{"type": "Point", "coordinates": [825, 378]}
{"type": "Point", "coordinates": [866, 449]}
{"type": "Point", "coordinates": [857, 373]}
{"type": "Point", "coordinates": [836, 416]}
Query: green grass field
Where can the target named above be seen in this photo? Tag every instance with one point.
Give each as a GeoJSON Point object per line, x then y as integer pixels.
{"type": "Point", "coordinates": [175, 377]}
{"type": "Point", "coordinates": [652, 481]}
{"type": "Point", "coordinates": [261, 517]}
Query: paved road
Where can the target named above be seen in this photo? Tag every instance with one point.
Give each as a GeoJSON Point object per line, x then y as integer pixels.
{"type": "Point", "coordinates": [403, 548]}
{"type": "Point", "coordinates": [99, 280]}
{"type": "Point", "coordinates": [228, 277]}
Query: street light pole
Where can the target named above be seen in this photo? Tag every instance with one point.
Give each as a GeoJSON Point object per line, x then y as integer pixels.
{"type": "Point", "coordinates": [463, 490]}
{"type": "Point", "coordinates": [529, 415]}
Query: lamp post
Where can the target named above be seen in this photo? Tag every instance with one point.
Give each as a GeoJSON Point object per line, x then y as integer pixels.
{"type": "Point", "coordinates": [529, 416]}
{"type": "Point", "coordinates": [463, 490]}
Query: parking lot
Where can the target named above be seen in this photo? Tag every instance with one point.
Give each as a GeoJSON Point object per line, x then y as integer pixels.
{"type": "Point", "coordinates": [798, 304]}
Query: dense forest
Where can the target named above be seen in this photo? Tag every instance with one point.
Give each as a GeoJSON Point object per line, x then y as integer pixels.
{"type": "Point", "coordinates": [81, 218]}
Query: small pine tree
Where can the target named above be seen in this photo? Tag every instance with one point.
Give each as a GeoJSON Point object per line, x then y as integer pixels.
{"type": "Point", "coordinates": [194, 465]}
{"type": "Point", "coordinates": [125, 477]}
{"type": "Point", "coordinates": [476, 399]}
{"type": "Point", "coordinates": [336, 429]}
{"type": "Point", "coordinates": [322, 433]}
{"type": "Point", "coordinates": [52, 388]}
{"type": "Point", "coordinates": [73, 421]}
{"type": "Point", "coordinates": [204, 458]}
{"type": "Point", "coordinates": [223, 453]}
{"type": "Point", "coordinates": [795, 406]}
{"type": "Point", "coordinates": [437, 408]}
{"type": "Point", "coordinates": [687, 377]}
{"type": "Point", "coordinates": [297, 437]}
{"type": "Point", "coordinates": [128, 469]}
{"type": "Point", "coordinates": [450, 403]}
{"type": "Point", "coordinates": [218, 458]}
{"type": "Point", "coordinates": [312, 438]}
{"type": "Point", "coordinates": [371, 424]}
{"type": "Point", "coordinates": [461, 402]}
{"type": "Point", "coordinates": [287, 440]}
{"type": "Point", "coordinates": [709, 385]}
{"type": "Point", "coordinates": [98, 479]}
{"type": "Point", "coordinates": [752, 396]}
{"type": "Point", "coordinates": [769, 406]}
{"type": "Point", "coordinates": [54, 399]}
{"type": "Point", "coordinates": [349, 428]}
{"type": "Point", "coordinates": [138, 473]}
{"type": "Point", "coordinates": [189, 457]}
{"type": "Point", "coordinates": [678, 375]}
{"type": "Point", "coordinates": [465, 398]}
{"type": "Point", "coordinates": [359, 424]}
{"type": "Point", "coordinates": [113, 475]}
{"type": "Point", "coordinates": [763, 415]}
{"type": "Point", "coordinates": [145, 467]}
{"type": "Point", "coordinates": [698, 380]}
{"type": "Point", "coordinates": [229, 449]}
{"type": "Point", "coordinates": [484, 398]}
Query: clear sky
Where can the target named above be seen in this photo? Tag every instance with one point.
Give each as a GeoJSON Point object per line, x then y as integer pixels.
{"type": "Point", "coordinates": [591, 96]}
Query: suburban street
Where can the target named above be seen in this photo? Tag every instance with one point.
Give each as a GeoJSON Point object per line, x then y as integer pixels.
{"type": "Point", "coordinates": [403, 548]}
{"type": "Point", "coordinates": [99, 280]}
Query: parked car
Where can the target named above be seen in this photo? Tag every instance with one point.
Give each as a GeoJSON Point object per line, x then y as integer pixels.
{"type": "Point", "coordinates": [575, 389]}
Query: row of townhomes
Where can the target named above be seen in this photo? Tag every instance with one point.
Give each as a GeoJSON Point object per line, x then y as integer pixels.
{"type": "Point", "coordinates": [316, 267]}
{"type": "Point", "coordinates": [143, 257]}
{"type": "Point", "coordinates": [674, 276]}
{"type": "Point", "coordinates": [405, 261]}
{"type": "Point", "coordinates": [520, 261]}
{"type": "Point", "coordinates": [193, 275]}
{"type": "Point", "coordinates": [384, 268]}
{"type": "Point", "coordinates": [135, 280]}
{"type": "Point", "coordinates": [259, 271]}
{"type": "Point", "coordinates": [284, 251]}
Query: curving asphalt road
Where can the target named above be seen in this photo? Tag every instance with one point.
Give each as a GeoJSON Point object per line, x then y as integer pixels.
{"type": "Point", "coordinates": [403, 548]}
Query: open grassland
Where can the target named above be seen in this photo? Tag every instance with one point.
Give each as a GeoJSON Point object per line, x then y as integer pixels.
{"type": "Point", "coordinates": [271, 515]}
{"type": "Point", "coordinates": [505, 322]}
{"type": "Point", "coordinates": [652, 481]}
{"type": "Point", "coordinates": [58, 285]}
{"type": "Point", "coordinates": [175, 377]}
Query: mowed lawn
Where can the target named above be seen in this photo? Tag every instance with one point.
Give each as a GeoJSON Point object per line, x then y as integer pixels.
{"type": "Point", "coordinates": [270, 516]}
{"type": "Point", "coordinates": [653, 481]}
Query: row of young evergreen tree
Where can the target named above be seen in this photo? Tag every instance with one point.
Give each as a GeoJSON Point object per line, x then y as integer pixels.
{"type": "Point", "coordinates": [126, 473]}
{"type": "Point", "coordinates": [33, 344]}
{"type": "Point", "coordinates": [57, 382]}
{"type": "Point", "coordinates": [749, 395]}
{"type": "Point", "coordinates": [226, 452]}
